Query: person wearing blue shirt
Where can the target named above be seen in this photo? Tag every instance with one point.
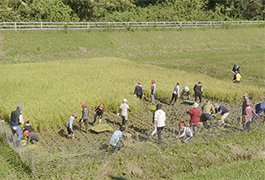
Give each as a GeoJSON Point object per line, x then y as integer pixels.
{"type": "Point", "coordinates": [221, 110]}
{"type": "Point", "coordinates": [260, 107]}
{"type": "Point", "coordinates": [116, 139]}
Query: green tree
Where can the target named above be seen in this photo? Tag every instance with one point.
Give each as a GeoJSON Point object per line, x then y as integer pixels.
{"type": "Point", "coordinates": [36, 10]}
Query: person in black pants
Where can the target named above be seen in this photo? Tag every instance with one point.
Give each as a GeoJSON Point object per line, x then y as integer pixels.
{"type": "Point", "coordinates": [198, 91]}
{"type": "Point", "coordinates": [138, 90]}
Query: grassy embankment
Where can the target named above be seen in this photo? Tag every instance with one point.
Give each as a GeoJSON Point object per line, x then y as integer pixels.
{"type": "Point", "coordinates": [11, 166]}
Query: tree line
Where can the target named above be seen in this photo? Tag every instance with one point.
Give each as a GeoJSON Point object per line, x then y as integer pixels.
{"type": "Point", "coordinates": [130, 10]}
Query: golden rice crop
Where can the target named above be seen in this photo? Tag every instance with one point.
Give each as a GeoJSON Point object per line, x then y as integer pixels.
{"type": "Point", "coordinates": [51, 91]}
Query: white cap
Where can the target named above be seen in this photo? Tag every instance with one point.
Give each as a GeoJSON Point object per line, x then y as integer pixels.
{"type": "Point", "coordinates": [124, 100]}
{"type": "Point", "coordinates": [195, 105]}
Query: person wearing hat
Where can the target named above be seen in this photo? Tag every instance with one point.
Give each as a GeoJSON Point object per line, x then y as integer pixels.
{"type": "Point", "coordinates": [153, 90]}
{"type": "Point", "coordinates": [175, 93]}
{"type": "Point", "coordinates": [16, 120]}
{"type": "Point", "coordinates": [138, 90]}
{"type": "Point", "coordinates": [70, 129]}
{"type": "Point", "coordinates": [245, 100]}
{"type": "Point", "coordinates": [237, 77]}
{"type": "Point", "coordinates": [221, 110]}
{"type": "Point", "coordinates": [185, 90]}
{"type": "Point", "coordinates": [123, 110]}
{"type": "Point", "coordinates": [198, 91]}
{"type": "Point", "coordinates": [159, 121]}
{"type": "Point", "coordinates": [186, 132]}
{"type": "Point", "coordinates": [207, 110]}
{"type": "Point", "coordinates": [116, 139]}
{"type": "Point", "coordinates": [85, 114]}
{"type": "Point", "coordinates": [235, 68]}
{"type": "Point", "coordinates": [99, 113]}
{"type": "Point", "coordinates": [31, 137]}
{"type": "Point", "coordinates": [248, 113]}
{"type": "Point", "coordinates": [194, 116]}
{"type": "Point", "coordinates": [27, 127]}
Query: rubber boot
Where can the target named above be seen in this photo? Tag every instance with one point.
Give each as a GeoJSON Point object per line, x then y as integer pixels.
{"type": "Point", "coordinates": [73, 136]}
{"type": "Point", "coordinates": [99, 121]}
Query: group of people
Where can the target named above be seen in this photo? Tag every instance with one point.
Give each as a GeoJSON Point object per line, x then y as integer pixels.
{"type": "Point", "coordinates": [85, 113]}
{"type": "Point", "coordinates": [208, 112]}
{"type": "Point", "coordinates": [198, 90]}
{"type": "Point", "coordinates": [16, 121]}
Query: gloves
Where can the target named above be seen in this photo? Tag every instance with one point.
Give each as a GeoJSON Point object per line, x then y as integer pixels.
{"type": "Point", "coordinates": [118, 114]}
{"type": "Point", "coordinates": [134, 94]}
{"type": "Point", "coordinates": [15, 128]}
{"type": "Point", "coordinates": [24, 144]}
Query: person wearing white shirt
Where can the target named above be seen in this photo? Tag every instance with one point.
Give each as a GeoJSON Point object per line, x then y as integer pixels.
{"type": "Point", "coordinates": [186, 133]}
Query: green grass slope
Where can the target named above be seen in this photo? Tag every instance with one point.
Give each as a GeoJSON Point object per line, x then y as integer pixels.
{"type": "Point", "coordinates": [11, 166]}
{"type": "Point", "coordinates": [205, 51]}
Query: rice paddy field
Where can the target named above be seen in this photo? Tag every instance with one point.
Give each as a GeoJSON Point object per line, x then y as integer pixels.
{"type": "Point", "coordinates": [52, 73]}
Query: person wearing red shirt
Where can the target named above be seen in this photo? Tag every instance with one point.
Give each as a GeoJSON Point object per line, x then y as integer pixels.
{"type": "Point", "coordinates": [194, 116]}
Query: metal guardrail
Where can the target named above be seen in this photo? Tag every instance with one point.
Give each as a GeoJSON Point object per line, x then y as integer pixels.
{"type": "Point", "coordinates": [118, 25]}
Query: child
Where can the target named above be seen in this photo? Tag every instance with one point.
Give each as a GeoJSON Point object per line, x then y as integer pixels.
{"type": "Point", "coordinates": [70, 126]}
{"type": "Point", "coordinates": [99, 113]}
{"type": "Point", "coordinates": [186, 131]}
{"type": "Point", "coordinates": [248, 113]}
{"type": "Point", "coordinates": [31, 137]}
{"type": "Point", "coordinates": [237, 77]}
{"type": "Point", "coordinates": [85, 113]}
{"type": "Point", "coordinates": [27, 127]}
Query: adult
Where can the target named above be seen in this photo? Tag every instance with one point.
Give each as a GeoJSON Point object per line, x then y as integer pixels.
{"type": "Point", "coordinates": [194, 116]}
{"type": "Point", "coordinates": [155, 128]}
{"type": "Point", "coordinates": [153, 90]}
{"type": "Point", "coordinates": [138, 91]}
{"type": "Point", "coordinates": [175, 93]}
{"type": "Point", "coordinates": [260, 107]}
{"type": "Point", "coordinates": [116, 139]}
{"type": "Point", "coordinates": [207, 110]}
{"type": "Point", "coordinates": [16, 120]}
{"type": "Point", "coordinates": [186, 132]}
{"type": "Point", "coordinates": [31, 137]}
{"type": "Point", "coordinates": [70, 129]}
{"type": "Point", "coordinates": [124, 108]}
{"type": "Point", "coordinates": [245, 100]}
{"type": "Point", "coordinates": [27, 127]}
{"type": "Point", "coordinates": [198, 91]}
{"type": "Point", "coordinates": [248, 113]}
{"type": "Point", "coordinates": [159, 121]}
{"type": "Point", "coordinates": [235, 68]}
{"type": "Point", "coordinates": [99, 113]}
{"type": "Point", "coordinates": [221, 110]}
{"type": "Point", "coordinates": [185, 91]}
